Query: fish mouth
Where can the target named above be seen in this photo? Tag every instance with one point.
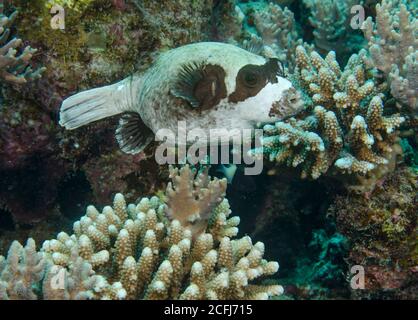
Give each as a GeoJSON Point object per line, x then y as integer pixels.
{"type": "Point", "coordinates": [290, 105]}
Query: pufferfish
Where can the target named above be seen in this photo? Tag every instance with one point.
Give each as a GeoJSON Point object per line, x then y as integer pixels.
{"type": "Point", "coordinates": [208, 85]}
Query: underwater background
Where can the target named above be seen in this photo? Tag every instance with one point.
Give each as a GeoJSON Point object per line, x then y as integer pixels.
{"type": "Point", "coordinates": [339, 185]}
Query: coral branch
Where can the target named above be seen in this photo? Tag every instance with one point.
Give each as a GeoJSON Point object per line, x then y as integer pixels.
{"type": "Point", "coordinates": [14, 60]}
{"type": "Point", "coordinates": [346, 128]}
{"type": "Point", "coordinates": [393, 46]}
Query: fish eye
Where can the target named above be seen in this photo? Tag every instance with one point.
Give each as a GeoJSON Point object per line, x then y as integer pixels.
{"type": "Point", "coordinates": [251, 79]}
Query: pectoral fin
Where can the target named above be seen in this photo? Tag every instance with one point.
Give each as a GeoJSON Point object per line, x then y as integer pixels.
{"type": "Point", "coordinates": [132, 134]}
{"type": "Point", "coordinates": [203, 86]}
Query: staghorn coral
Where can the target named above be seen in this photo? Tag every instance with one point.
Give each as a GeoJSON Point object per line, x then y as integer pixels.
{"type": "Point", "coordinates": [14, 59]}
{"type": "Point", "coordinates": [136, 252]}
{"type": "Point", "coordinates": [393, 46]}
{"type": "Point", "coordinates": [347, 128]}
{"type": "Point", "coordinates": [262, 27]}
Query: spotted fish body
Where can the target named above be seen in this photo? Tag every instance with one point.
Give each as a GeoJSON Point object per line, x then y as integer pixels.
{"type": "Point", "coordinates": [208, 85]}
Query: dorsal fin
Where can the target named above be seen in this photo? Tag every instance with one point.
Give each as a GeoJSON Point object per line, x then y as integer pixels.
{"type": "Point", "coordinates": [132, 134]}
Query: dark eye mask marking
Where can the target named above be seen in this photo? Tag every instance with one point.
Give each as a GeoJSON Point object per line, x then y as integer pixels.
{"type": "Point", "coordinates": [203, 86]}
{"type": "Point", "coordinates": [251, 79]}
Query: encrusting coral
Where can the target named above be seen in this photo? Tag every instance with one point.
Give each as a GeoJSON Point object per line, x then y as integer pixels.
{"type": "Point", "coordinates": [347, 128]}
{"type": "Point", "coordinates": [393, 46]}
{"type": "Point", "coordinates": [382, 230]}
{"type": "Point", "coordinates": [179, 246]}
{"type": "Point", "coordinates": [14, 59]}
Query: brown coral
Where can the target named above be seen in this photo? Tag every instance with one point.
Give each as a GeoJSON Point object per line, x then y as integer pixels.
{"type": "Point", "coordinates": [382, 229]}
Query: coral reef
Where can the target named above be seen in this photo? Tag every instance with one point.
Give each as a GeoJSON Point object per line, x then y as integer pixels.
{"type": "Point", "coordinates": [327, 267]}
{"type": "Point", "coordinates": [347, 129]}
{"type": "Point", "coordinates": [267, 28]}
{"type": "Point", "coordinates": [382, 230]}
{"type": "Point", "coordinates": [177, 247]}
{"type": "Point", "coordinates": [277, 29]}
{"type": "Point", "coordinates": [289, 216]}
{"type": "Point", "coordinates": [15, 59]}
{"type": "Point", "coordinates": [108, 174]}
{"type": "Point", "coordinates": [320, 274]}
{"type": "Point", "coordinates": [103, 41]}
{"type": "Point", "coordinates": [349, 132]}
{"type": "Point", "coordinates": [179, 22]}
{"type": "Point", "coordinates": [332, 31]}
{"type": "Point", "coordinates": [393, 46]}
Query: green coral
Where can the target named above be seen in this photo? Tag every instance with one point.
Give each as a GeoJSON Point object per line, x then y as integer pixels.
{"type": "Point", "coordinates": [320, 272]}
{"type": "Point", "coordinates": [99, 42]}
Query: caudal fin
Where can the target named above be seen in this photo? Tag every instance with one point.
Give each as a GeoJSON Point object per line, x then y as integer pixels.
{"type": "Point", "coordinates": [96, 104]}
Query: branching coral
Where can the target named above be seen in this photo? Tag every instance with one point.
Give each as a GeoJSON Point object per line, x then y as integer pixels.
{"type": "Point", "coordinates": [347, 127]}
{"type": "Point", "coordinates": [276, 27]}
{"type": "Point", "coordinates": [14, 60]}
{"type": "Point", "coordinates": [262, 27]}
{"type": "Point", "coordinates": [276, 33]}
{"type": "Point", "coordinates": [20, 272]}
{"type": "Point", "coordinates": [393, 46]}
{"type": "Point", "coordinates": [192, 201]}
{"type": "Point", "coordinates": [331, 22]}
{"type": "Point", "coordinates": [137, 252]}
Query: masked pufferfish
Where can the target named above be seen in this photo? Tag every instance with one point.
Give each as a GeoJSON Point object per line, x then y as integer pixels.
{"type": "Point", "coordinates": [209, 85]}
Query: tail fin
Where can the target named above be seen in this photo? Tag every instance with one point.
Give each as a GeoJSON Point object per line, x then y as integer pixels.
{"type": "Point", "coordinates": [96, 104]}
